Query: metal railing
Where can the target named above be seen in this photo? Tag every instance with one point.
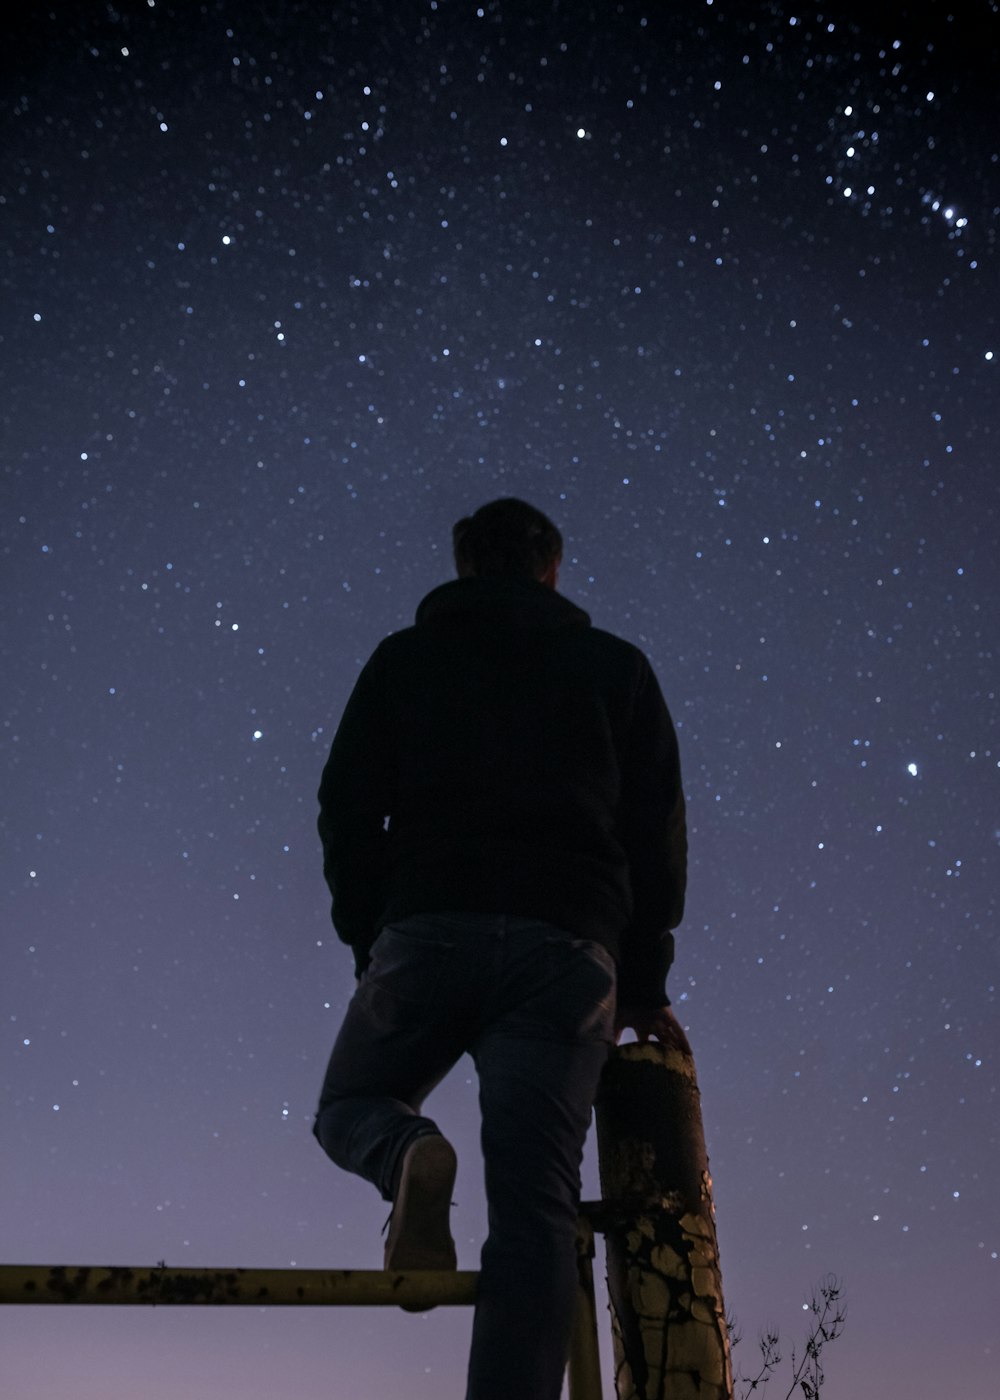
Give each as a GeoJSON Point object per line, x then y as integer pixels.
{"type": "Point", "coordinates": [414, 1290]}
{"type": "Point", "coordinates": [669, 1331]}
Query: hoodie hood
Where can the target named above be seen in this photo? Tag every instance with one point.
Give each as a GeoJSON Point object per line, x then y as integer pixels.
{"type": "Point", "coordinates": [500, 602]}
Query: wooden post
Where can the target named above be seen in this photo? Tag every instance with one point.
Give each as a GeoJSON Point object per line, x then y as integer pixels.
{"type": "Point", "coordinates": [664, 1281]}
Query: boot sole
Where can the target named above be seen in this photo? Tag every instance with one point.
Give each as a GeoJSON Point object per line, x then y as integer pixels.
{"type": "Point", "coordinates": [420, 1232]}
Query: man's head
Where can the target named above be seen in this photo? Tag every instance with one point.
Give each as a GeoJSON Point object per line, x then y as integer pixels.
{"type": "Point", "coordinates": [507, 539]}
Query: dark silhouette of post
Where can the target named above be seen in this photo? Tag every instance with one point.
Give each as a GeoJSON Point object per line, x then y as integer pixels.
{"type": "Point", "coordinates": [665, 1285]}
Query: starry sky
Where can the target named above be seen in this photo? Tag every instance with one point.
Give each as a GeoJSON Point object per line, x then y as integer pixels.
{"type": "Point", "coordinates": [288, 289]}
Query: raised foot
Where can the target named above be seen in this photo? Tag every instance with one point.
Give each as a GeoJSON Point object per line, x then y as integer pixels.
{"type": "Point", "coordinates": [419, 1231]}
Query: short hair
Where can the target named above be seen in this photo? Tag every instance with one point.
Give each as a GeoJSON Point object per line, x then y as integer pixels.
{"type": "Point", "coordinates": [505, 539]}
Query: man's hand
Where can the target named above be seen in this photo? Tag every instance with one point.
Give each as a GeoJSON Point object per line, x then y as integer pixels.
{"type": "Point", "coordinates": [651, 1022]}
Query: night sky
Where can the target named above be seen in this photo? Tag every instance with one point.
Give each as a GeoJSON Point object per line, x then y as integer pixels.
{"type": "Point", "coordinates": [288, 289]}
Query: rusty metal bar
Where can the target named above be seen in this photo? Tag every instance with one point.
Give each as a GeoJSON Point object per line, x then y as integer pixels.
{"type": "Point", "coordinates": [417, 1291]}
{"type": "Point", "coordinates": [423, 1289]}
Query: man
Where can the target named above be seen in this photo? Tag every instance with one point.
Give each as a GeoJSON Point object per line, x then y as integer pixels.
{"type": "Point", "coordinates": [503, 833]}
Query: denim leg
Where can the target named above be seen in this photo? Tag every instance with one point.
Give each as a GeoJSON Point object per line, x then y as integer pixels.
{"type": "Point", "coordinates": [536, 1008]}
{"type": "Point", "coordinates": [397, 1042]}
{"type": "Point", "coordinates": [539, 1066]}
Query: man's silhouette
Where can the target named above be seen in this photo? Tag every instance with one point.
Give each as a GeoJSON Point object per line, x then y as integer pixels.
{"type": "Point", "coordinates": [503, 835]}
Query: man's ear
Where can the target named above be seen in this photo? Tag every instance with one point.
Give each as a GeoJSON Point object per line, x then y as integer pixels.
{"type": "Point", "coordinates": [551, 575]}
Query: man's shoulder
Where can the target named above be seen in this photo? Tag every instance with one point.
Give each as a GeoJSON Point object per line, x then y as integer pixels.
{"type": "Point", "coordinates": [401, 637]}
{"type": "Point", "coordinates": [396, 642]}
{"type": "Point", "coordinates": [617, 649]}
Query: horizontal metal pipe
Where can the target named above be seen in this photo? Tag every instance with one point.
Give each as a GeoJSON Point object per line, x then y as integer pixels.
{"type": "Point", "coordinates": [416, 1290]}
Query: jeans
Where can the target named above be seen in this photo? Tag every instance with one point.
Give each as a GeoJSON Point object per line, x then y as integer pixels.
{"type": "Point", "coordinates": [535, 1008]}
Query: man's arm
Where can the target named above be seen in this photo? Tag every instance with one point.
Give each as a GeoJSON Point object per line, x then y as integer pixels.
{"type": "Point", "coordinates": [355, 798]}
{"type": "Point", "coordinates": [653, 831]}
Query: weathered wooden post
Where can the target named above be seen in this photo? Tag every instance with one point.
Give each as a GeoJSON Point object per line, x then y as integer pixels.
{"type": "Point", "coordinates": [664, 1281]}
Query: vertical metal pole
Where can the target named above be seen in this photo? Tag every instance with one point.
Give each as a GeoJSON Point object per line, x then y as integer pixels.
{"type": "Point", "coordinates": [664, 1281]}
{"type": "Point", "coordinates": [584, 1355]}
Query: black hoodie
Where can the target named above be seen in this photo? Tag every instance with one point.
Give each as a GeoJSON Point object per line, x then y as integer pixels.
{"type": "Point", "coordinates": [503, 756]}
